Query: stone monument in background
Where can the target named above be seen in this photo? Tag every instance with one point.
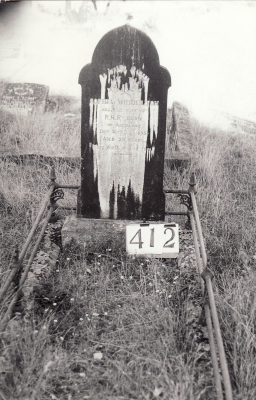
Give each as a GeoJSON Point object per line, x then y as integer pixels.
{"type": "Point", "coordinates": [23, 98]}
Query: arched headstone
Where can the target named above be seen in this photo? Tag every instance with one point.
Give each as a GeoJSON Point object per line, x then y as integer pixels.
{"type": "Point", "coordinates": [123, 127]}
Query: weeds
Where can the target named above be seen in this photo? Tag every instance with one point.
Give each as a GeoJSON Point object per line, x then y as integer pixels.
{"type": "Point", "coordinates": [107, 326]}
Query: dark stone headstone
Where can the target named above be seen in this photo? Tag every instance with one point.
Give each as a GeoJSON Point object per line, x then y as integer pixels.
{"type": "Point", "coordinates": [124, 103]}
{"type": "Point", "coordinates": [24, 98]}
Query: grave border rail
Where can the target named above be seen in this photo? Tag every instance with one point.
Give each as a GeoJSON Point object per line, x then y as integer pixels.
{"type": "Point", "coordinates": [205, 276]}
{"type": "Point", "coordinates": [53, 194]}
{"type": "Point", "coordinates": [187, 197]}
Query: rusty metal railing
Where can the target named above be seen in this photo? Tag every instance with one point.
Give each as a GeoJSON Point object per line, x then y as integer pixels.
{"type": "Point", "coordinates": [53, 194]}
{"type": "Point", "coordinates": [205, 275]}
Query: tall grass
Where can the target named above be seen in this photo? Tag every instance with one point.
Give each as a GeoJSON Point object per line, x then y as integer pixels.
{"type": "Point", "coordinates": [141, 316]}
{"type": "Point", "coordinates": [51, 134]}
{"type": "Point", "coordinates": [225, 167]}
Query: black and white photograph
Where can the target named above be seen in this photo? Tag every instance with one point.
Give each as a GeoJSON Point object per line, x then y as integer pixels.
{"type": "Point", "coordinates": [127, 200]}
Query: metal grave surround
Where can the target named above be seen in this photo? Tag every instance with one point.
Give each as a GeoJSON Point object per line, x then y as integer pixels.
{"type": "Point", "coordinates": [153, 240]}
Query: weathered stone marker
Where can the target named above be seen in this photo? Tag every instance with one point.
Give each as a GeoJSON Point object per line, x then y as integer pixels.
{"type": "Point", "coordinates": [24, 98]}
{"type": "Point", "coordinates": [10, 49]}
{"type": "Point", "coordinates": [123, 129]}
{"type": "Point", "coordinates": [124, 103]}
{"type": "Point", "coordinates": [179, 138]}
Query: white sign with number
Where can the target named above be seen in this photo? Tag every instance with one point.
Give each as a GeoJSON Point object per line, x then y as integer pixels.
{"type": "Point", "coordinates": [158, 240]}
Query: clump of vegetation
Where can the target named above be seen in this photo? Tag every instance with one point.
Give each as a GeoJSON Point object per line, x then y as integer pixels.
{"type": "Point", "coordinates": [225, 168]}
{"type": "Point", "coordinates": [54, 133]}
{"type": "Point", "coordinates": [104, 325]}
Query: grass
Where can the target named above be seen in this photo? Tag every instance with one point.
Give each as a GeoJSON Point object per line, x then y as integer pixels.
{"type": "Point", "coordinates": [106, 326]}
{"type": "Point", "coordinates": [55, 133]}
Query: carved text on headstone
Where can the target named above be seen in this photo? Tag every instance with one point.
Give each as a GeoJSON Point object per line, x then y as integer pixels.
{"type": "Point", "coordinates": [124, 130]}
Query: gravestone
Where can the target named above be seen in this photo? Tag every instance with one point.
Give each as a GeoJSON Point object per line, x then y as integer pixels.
{"type": "Point", "coordinates": [123, 127]}
{"type": "Point", "coordinates": [179, 138]}
{"type": "Point", "coordinates": [10, 50]}
{"type": "Point", "coordinates": [24, 98]}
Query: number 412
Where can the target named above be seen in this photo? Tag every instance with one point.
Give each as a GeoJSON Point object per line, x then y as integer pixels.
{"type": "Point", "coordinates": [152, 238]}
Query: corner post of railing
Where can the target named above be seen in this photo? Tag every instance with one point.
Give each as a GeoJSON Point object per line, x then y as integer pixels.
{"type": "Point", "coordinates": [207, 276]}
{"type": "Point", "coordinates": [16, 268]}
{"type": "Point", "coordinates": [16, 264]}
{"type": "Point", "coordinates": [192, 192]}
{"type": "Point", "coordinates": [52, 176]}
{"type": "Point", "coordinates": [192, 183]}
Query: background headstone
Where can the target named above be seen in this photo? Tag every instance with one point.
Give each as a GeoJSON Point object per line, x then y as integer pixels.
{"type": "Point", "coordinates": [24, 98]}
{"type": "Point", "coordinates": [179, 137]}
{"type": "Point", "coordinates": [123, 127]}
{"type": "Point", "coordinates": [11, 49]}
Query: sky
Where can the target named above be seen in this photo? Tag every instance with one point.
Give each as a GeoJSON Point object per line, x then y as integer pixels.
{"type": "Point", "coordinates": [209, 48]}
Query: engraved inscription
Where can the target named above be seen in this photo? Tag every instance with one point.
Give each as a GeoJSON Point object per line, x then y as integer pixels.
{"type": "Point", "coordinates": [124, 130]}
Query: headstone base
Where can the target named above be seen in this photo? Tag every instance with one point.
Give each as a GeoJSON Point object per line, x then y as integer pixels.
{"type": "Point", "coordinates": [94, 234]}
{"type": "Point", "coordinates": [97, 235]}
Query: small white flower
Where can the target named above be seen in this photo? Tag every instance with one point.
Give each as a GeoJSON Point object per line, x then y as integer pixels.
{"type": "Point", "coordinates": [72, 300]}
{"type": "Point", "coordinates": [57, 270]}
{"type": "Point", "coordinates": [157, 291]}
{"type": "Point", "coordinates": [105, 313]}
{"type": "Point", "coordinates": [54, 304]}
{"type": "Point", "coordinates": [44, 327]}
{"type": "Point", "coordinates": [55, 321]}
{"type": "Point", "coordinates": [95, 314]}
{"type": "Point", "coordinates": [99, 255]}
{"type": "Point", "coordinates": [62, 338]}
{"type": "Point", "coordinates": [68, 259]}
{"type": "Point", "coordinates": [169, 296]}
{"type": "Point", "coordinates": [98, 355]}
{"type": "Point", "coordinates": [81, 319]}
{"type": "Point", "coordinates": [150, 284]}
{"type": "Point", "coordinates": [157, 391]}
{"type": "Point", "coordinates": [130, 277]}
{"type": "Point", "coordinates": [47, 366]}
{"type": "Point", "coordinates": [88, 270]}
{"type": "Point", "coordinates": [121, 277]}
{"type": "Point", "coordinates": [82, 374]}
{"type": "Point", "coordinates": [35, 331]}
